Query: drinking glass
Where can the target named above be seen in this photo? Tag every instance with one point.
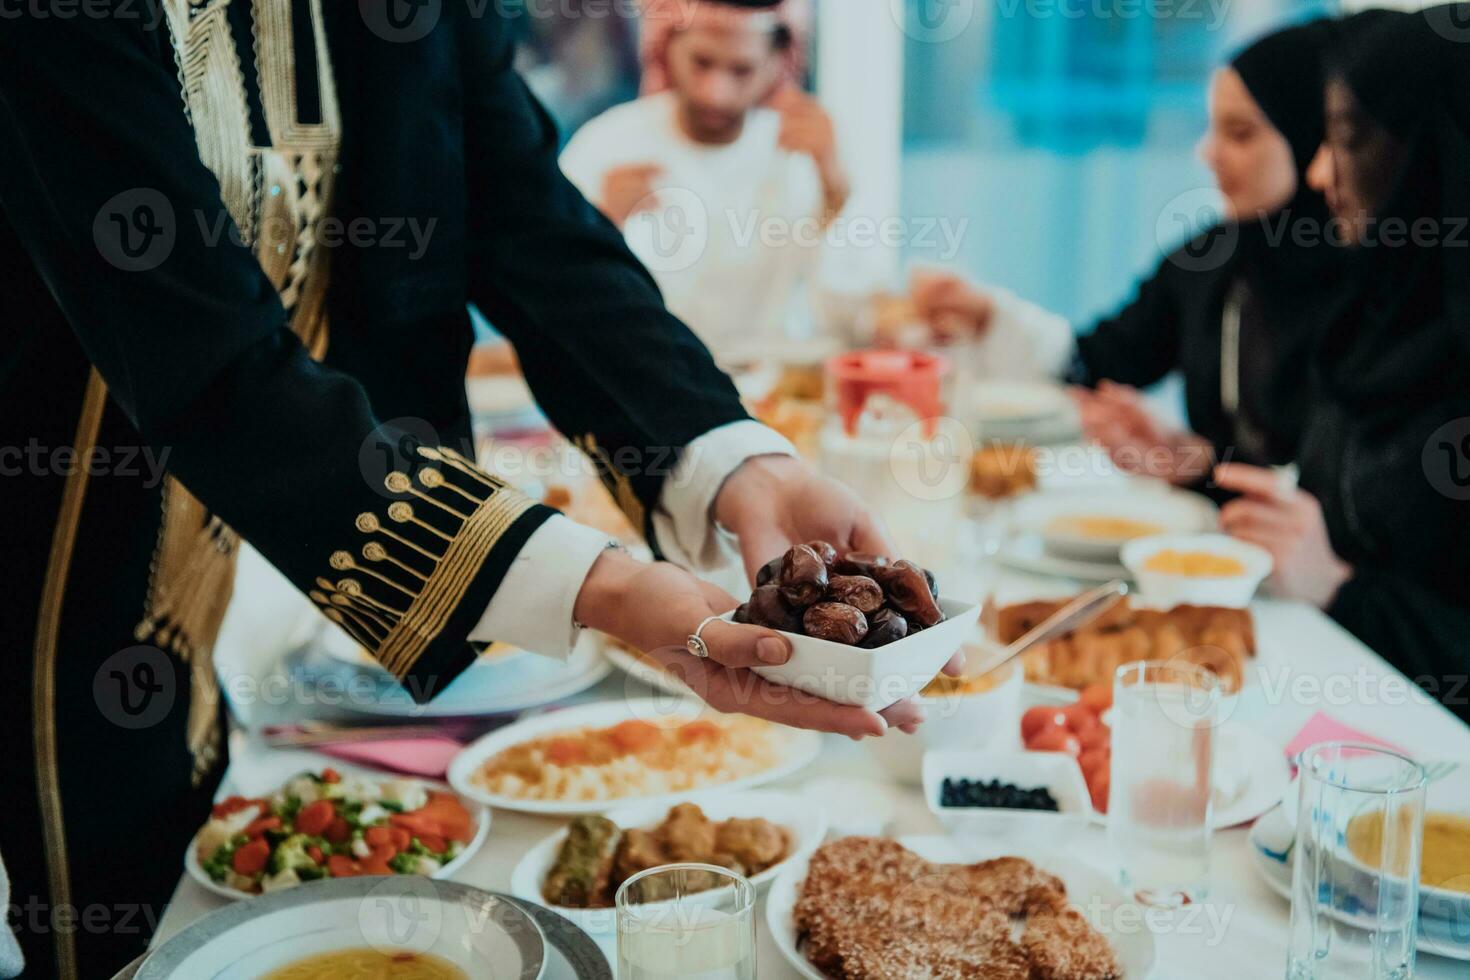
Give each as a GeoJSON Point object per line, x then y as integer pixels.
{"type": "Point", "coordinates": [1160, 799]}
{"type": "Point", "coordinates": [1355, 882]}
{"type": "Point", "coordinates": [690, 921]}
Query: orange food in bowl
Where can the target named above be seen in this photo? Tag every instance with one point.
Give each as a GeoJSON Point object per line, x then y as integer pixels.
{"type": "Point", "coordinates": [1194, 564]}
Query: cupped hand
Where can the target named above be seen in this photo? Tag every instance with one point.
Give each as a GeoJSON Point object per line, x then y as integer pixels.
{"type": "Point", "coordinates": [1288, 522]}
{"type": "Point", "coordinates": [655, 607]}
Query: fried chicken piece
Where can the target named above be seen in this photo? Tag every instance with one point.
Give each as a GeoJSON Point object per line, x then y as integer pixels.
{"type": "Point", "coordinates": [687, 834]}
{"type": "Point", "coordinates": [1062, 945]}
{"type": "Point", "coordinates": [1006, 883]}
{"type": "Point", "coordinates": [755, 843]}
{"type": "Point", "coordinates": [638, 851]}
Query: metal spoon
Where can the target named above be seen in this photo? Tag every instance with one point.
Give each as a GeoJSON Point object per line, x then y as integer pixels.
{"type": "Point", "coordinates": [1073, 616]}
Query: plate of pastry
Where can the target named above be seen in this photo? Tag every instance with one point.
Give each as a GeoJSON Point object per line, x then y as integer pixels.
{"type": "Point", "coordinates": [870, 907]}
{"type": "Point", "coordinates": [593, 757]}
{"type": "Point", "coordinates": [577, 870]}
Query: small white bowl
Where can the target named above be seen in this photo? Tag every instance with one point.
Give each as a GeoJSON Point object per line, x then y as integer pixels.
{"type": "Point", "coordinates": [806, 823]}
{"type": "Point", "coordinates": [1056, 771]}
{"type": "Point", "coordinates": [986, 721]}
{"type": "Point", "coordinates": [873, 679]}
{"type": "Point", "coordinates": [1168, 589]}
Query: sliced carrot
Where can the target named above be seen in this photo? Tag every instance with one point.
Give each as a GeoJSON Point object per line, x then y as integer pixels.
{"type": "Point", "coordinates": [250, 859]}
{"type": "Point", "coordinates": [315, 853]}
{"type": "Point", "coordinates": [257, 827]}
{"type": "Point", "coordinates": [436, 844]}
{"type": "Point", "coordinates": [337, 831]}
{"type": "Point", "coordinates": [342, 866]}
{"type": "Point", "coordinates": [315, 817]}
{"type": "Point", "coordinates": [330, 775]}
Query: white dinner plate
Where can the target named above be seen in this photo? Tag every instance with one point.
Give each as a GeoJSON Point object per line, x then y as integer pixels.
{"type": "Point", "coordinates": [807, 825]}
{"type": "Point", "coordinates": [1092, 892]}
{"type": "Point", "coordinates": [478, 811]}
{"type": "Point", "coordinates": [1168, 510]}
{"type": "Point", "coordinates": [481, 933]}
{"type": "Point", "coordinates": [493, 687]}
{"type": "Point", "coordinates": [1273, 843]}
{"type": "Point", "coordinates": [1026, 552]}
{"type": "Point", "coordinates": [800, 748]}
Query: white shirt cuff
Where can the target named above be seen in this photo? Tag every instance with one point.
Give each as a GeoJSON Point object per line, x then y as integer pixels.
{"type": "Point", "coordinates": [1026, 340]}
{"type": "Point", "coordinates": [684, 521]}
{"type": "Point", "coordinates": [534, 607]}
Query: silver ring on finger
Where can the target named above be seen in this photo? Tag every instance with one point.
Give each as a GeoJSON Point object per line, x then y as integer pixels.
{"type": "Point", "coordinates": [695, 644]}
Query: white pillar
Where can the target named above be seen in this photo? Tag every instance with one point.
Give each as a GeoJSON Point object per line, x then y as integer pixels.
{"type": "Point", "coordinates": [860, 47]}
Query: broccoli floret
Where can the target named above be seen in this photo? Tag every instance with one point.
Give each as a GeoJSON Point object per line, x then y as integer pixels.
{"type": "Point", "coordinates": [221, 863]}
{"type": "Point", "coordinates": [292, 854]}
{"type": "Point", "coordinates": [404, 863]}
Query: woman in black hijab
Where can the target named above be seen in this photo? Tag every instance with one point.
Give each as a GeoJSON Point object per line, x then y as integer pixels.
{"type": "Point", "coordinates": [1379, 534]}
{"type": "Point", "coordinates": [1233, 308]}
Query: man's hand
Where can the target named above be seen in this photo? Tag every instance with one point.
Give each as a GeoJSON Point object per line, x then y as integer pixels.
{"type": "Point", "coordinates": [1116, 418]}
{"type": "Point", "coordinates": [1288, 523]}
{"type": "Point", "coordinates": [628, 189]}
{"type": "Point", "coordinates": [953, 309]}
{"type": "Point", "coordinates": [772, 503]}
{"type": "Point", "coordinates": [655, 607]}
{"type": "Point", "coordinates": [806, 128]}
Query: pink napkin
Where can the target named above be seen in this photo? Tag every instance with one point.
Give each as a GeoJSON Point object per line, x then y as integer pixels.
{"type": "Point", "coordinates": [428, 757]}
{"type": "Point", "coordinates": [1324, 728]}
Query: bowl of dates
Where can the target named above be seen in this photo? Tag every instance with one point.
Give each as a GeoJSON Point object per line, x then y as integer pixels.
{"type": "Point", "coordinates": [865, 629]}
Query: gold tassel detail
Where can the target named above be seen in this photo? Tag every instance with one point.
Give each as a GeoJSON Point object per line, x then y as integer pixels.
{"type": "Point", "coordinates": [193, 579]}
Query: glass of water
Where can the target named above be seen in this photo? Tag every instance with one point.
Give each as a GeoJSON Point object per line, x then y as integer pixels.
{"type": "Point", "coordinates": [1355, 877]}
{"type": "Point", "coordinates": [690, 921]}
{"type": "Point", "coordinates": [1160, 800]}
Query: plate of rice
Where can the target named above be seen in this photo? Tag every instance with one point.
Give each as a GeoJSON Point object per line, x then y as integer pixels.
{"type": "Point", "coordinates": [579, 760]}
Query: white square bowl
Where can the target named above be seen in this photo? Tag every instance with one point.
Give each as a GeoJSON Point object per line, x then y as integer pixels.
{"type": "Point", "coordinates": [1056, 771]}
{"type": "Point", "coordinates": [873, 679]}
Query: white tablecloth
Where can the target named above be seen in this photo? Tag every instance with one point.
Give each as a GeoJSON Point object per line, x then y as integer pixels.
{"type": "Point", "coordinates": [1308, 664]}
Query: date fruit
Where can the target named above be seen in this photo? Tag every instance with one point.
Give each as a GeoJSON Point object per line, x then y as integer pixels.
{"type": "Point", "coordinates": [803, 576]}
{"type": "Point", "coordinates": [837, 622]}
{"type": "Point", "coordinates": [769, 571]}
{"type": "Point", "coordinates": [884, 627]}
{"type": "Point", "coordinates": [767, 608]}
{"type": "Point", "coordinates": [824, 551]}
{"type": "Point", "coordinates": [858, 563]}
{"type": "Point", "coordinates": [858, 591]}
{"type": "Point", "coordinates": [908, 591]}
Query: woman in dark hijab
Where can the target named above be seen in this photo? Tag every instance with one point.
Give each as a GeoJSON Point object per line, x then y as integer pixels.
{"type": "Point", "coordinates": [1379, 534]}
{"type": "Point", "coordinates": [1233, 308]}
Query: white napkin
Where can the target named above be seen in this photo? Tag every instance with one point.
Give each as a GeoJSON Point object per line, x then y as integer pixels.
{"type": "Point", "coordinates": [11, 962]}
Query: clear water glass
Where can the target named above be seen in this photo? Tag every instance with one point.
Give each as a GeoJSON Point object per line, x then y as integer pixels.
{"type": "Point", "coordinates": [690, 921]}
{"type": "Point", "coordinates": [1355, 878]}
{"type": "Point", "coordinates": [1160, 801]}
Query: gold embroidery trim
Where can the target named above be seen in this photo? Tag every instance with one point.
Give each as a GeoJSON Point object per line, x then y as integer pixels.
{"type": "Point", "coordinates": [43, 684]}
{"type": "Point", "coordinates": [617, 482]}
{"type": "Point", "coordinates": [396, 594]}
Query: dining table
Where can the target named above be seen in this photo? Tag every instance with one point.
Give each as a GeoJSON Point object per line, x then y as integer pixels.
{"type": "Point", "coordinates": [1308, 667]}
